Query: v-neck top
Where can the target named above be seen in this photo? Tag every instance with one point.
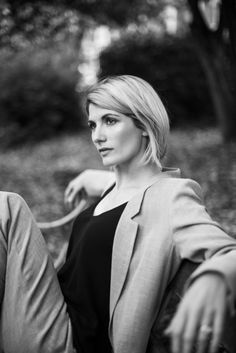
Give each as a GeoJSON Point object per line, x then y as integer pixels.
{"type": "Point", "coordinates": [85, 278]}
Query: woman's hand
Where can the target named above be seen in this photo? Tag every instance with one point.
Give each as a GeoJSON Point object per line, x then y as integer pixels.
{"type": "Point", "coordinates": [200, 316]}
{"type": "Point", "coordinates": [90, 182]}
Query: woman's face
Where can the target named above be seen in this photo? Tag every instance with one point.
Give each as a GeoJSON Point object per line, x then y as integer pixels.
{"type": "Point", "coordinates": [115, 136]}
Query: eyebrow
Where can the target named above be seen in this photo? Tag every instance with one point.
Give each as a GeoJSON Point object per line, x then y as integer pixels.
{"type": "Point", "coordinates": [106, 116]}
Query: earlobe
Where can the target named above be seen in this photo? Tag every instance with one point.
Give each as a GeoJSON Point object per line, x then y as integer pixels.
{"type": "Point", "coordinates": [144, 133]}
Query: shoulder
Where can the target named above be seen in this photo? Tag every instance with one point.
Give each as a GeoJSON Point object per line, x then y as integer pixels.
{"type": "Point", "coordinates": [170, 188]}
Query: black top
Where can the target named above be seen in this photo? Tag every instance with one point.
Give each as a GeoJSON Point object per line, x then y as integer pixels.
{"type": "Point", "coordinates": [85, 278]}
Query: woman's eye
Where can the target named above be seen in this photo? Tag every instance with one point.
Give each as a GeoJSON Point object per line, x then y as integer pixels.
{"type": "Point", "coordinates": [91, 125]}
{"type": "Point", "coordinates": [110, 121]}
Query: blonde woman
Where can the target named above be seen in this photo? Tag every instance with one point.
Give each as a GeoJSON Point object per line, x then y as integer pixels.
{"type": "Point", "coordinates": [150, 220]}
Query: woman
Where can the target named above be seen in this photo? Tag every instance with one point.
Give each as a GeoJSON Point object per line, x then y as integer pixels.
{"type": "Point", "coordinates": [124, 250]}
{"type": "Point", "coordinates": [158, 220]}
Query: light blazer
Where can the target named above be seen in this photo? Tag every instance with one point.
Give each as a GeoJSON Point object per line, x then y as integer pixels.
{"type": "Point", "coordinates": [161, 226]}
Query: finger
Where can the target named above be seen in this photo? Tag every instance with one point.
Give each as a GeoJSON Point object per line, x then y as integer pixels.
{"type": "Point", "coordinates": [68, 190]}
{"type": "Point", "coordinates": [175, 330]}
{"type": "Point", "coordinates": [69, 197]}
{"type": "Point", "coordinates": [204, 337]}
{"type": "Point", "coordinates": [190, 333]}
{"type": "Point", "coordinates": [68, 205]}
{"type": "Point", "coordinates": [75, 197]}
{"type": "Point", "coordinates": [218, 326]}
{"type": "Point", "coordinates": [176, 340]}
{"type": "Point", "coordinates": [70, 202]}
{"type": "Point", "coordinates": [204, 328]}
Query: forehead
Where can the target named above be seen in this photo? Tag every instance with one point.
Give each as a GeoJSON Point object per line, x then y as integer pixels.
{"type": "Point", "coordinates": [96, 112]}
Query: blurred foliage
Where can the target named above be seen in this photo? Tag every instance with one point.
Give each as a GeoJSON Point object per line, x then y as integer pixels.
{"type": "Point", "coordinates": [171, 67]}
{"type": "Point", "coordinates": [104, 11]}
{"type": "Point", "coordinates": [211, 32]}
{"type": "Point", "coordinates": [39, 57]}
{"type": "Point", "coordinates": [24, 24]}
{"type": "Point", "coordinates": [38, 94]}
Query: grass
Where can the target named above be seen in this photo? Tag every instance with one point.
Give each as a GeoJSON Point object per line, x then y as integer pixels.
{"type": "Point", "coordinates": [41, 172]}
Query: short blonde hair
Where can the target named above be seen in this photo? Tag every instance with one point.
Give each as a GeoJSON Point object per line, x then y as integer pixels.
{"type": "Point", "coordinates": [134, 97]}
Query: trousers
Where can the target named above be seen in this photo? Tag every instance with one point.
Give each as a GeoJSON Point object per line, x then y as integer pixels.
{"type": "Point", "coordinates": [33, 311]}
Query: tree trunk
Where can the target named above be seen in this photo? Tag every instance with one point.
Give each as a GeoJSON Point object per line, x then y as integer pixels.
{"type": "Point", "coordinates": [221, 90]}
{"type": "Point", "coordinates": [218, 65]}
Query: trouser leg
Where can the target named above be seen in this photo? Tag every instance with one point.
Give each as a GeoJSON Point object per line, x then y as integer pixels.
{"type": "Point", "coordinates": [33, 311]}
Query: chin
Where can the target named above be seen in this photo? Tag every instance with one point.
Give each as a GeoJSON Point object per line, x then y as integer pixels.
{"type": "Point", "coordinates": [108, 163]}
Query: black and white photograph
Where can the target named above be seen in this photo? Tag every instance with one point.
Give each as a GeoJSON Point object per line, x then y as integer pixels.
{"type": "Point", "coordinates": [118, 176]}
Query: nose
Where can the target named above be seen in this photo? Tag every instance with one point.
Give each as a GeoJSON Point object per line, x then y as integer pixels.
{"type": "Point", "coordinates": [98, 135]}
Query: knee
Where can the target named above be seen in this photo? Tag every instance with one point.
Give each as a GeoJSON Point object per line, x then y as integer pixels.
{"type": "Point", "coordinates": [10, 201]}
{"type": "Point", "coordinates": [13, 208]}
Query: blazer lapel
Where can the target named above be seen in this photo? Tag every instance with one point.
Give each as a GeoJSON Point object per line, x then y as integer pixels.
{"type": "Point", "coordinates": [124, 241]}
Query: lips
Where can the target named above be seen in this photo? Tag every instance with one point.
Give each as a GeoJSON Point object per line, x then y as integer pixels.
{"type": "Point", "coordinates": [104, 151]}
{"type": "Point", "coordinates": [101, 150]}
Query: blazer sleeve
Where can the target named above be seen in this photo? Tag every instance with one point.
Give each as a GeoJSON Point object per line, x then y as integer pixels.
{"type": "Point", "coordinates": [200, 239]}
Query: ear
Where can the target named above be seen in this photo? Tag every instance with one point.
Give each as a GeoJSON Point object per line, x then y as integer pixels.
{"type": "Point", "coordinates": [144, 133]}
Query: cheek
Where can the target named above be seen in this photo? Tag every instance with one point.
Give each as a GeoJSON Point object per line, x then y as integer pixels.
{"type": "Point", "coordinates": [131, 142]}
{"type": "Point", "coordinates": [126, 138]}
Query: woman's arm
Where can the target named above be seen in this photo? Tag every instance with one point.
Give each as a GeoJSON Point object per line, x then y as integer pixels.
{"type": "Point", "coordinates": [90, 182]}
{"type": "Point", "coordinates": [212, 287]}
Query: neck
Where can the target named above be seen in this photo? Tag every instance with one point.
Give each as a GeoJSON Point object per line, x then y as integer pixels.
{"type": "Point", "coordinates": [135, 177]}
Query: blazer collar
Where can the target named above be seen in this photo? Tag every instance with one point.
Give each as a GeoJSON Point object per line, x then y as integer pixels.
{"type": "Point", "coordinates": [165, 173]}
{"type": "Point", "coordinates": [124, 240]}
